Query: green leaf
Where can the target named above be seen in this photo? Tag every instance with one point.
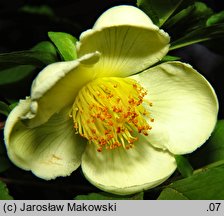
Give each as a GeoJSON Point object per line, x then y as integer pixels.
{"type": "Point", "coordinates": [27, 57]}
{"type": "Point", "coordinates": [205, 185]}
{"type": "Point", "coordinates": [18, 69]}
{"type": "Point", "coordinates": [4, 108]}
{"type": "Point", "coordinates": [189, 26]}
{"type": "Point", "coordinates": [47, 47]}
{"type": "Point", "coordinates": [65, 44]}
{"type": "Point", "coordinates": [13, 104]}
{"type": "Point", "coordinates": [199, 35]}
{"type": "Point", "coordinates": [42, 54]}
{"type": "Point", "coordinates": [216, 18]}
{"type": "Point", "coordinates": [212, 151]}
{"type": "Point", "coordinates": [4, 193]}
{"type": "Point", "coordinates": [183, 166]}
{"type": "Point", "coordinates": [107, 196]}
{"type": "Point", "coordinates": [157, 10]}
{"type": "Point", "coordinates": [15, 74]}
{"type": "Point", "coordinates": [170, 58]}
{"type": "Point", "coordinates": [38, 10]}
{"type": "Point", "coordinates": [215, 45]}
{"type": "Point", "coordinates": [188, 19]}
{"type": "Point", "coordinates": [171, 194]}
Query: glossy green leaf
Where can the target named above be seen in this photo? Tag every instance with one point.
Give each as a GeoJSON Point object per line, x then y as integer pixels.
{"type": "Point", "coordinates": [4, 193]}
{"type": "Point", "coordinates": [15, 74]}
{"type": "Point", "coordinates": [42, 54]}
{"type": "Point", "coordinates": [157, 10]}
{"type": "Point", "coordinates": [199, 35]}
{"type": "Point", "coordinates": [171, 194]}
{"type": "Point", "coordinates": [29, 57]}
{"type": "Point", "coordinates": [13, 104]}
{"type": "Point", "coordinates": [4, 108]}
{"type": "Point", "coordinates": [65, 44]}
{"type": "Point", "coordinates": [170, 58]}
{"type": "Point", "coordinates": [189, 26]}
{"type": "Point", "coordinates": [212, 151]}
{"type": "Point", "coordinates": [216, 45]}
{"type": "Point", "coordinates": [188, 19]}
{"type": "Point", "coordinates": [205, 185]}
{"type": "Point", "coordinates": [47, 47]}
{"type": "Point", "coordinates": [18, 69]}
{"type": "Point", "coordinates": [184, 4]}
{"type": "Point", "coordinates": [107, 196]}
{"type": "Point", "coordinates": [183, 166]}
{"type": "Point", "coordinates": [216, 18]}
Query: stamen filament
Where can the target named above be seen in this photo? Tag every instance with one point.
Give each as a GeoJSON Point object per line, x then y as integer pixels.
{"type": "Point", "coordinates": [109, 112]}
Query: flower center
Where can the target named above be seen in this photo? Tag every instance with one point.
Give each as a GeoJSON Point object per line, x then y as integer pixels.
{"type": "Point", "coordinates": [109, 112]}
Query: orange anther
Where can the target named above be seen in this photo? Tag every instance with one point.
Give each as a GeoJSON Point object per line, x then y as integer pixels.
{"type": "Point", "coordinates": [118, 130]}
{"type": "Point", "coordinates": [100, 149]}
{"type": "Point", "coordinates": [110, 117]}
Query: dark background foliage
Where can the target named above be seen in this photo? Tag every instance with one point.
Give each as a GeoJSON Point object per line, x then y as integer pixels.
{"type": "Point", "coordinates": [21, 29]}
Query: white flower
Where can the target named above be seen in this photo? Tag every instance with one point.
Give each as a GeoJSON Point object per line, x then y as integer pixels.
{"type": "Point", "coordinates": [111, 113]}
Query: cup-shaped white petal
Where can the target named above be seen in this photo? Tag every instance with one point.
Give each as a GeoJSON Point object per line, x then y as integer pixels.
{"type": "Point", "coordinates": [122, 171]}
{"type": "Point", "coordinates": [50, 150]}
{"type": "Point", "coordinates": [124, 15]}
{"type": "Point", "coordinates": [56, 87]}
{"type": "Point", "coordinates": [127, 40]}
{"type": "Point", "coordinates": [184, 109]}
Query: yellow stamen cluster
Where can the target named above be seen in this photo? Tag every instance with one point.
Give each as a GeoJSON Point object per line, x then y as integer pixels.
{"type": "Point", "coordinates": [109, 112]}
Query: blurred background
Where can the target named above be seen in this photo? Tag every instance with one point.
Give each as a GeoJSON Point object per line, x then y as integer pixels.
{"type": "Point", "coordinates": [22, 27]}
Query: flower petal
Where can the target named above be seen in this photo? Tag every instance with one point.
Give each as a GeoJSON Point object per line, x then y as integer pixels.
{"type": "Point", "coordinates": [49, 150]}
{"type": "Point", "coordinates": [124, 15]}
{"type": "Point", "coordinates": [127, 40]}
{"type": "Point", "coordinates": [121, 171]}
{"type": "Point", "coordinates": [185, 106]}
{"type": "Point", "coordinates": [56, 86]}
